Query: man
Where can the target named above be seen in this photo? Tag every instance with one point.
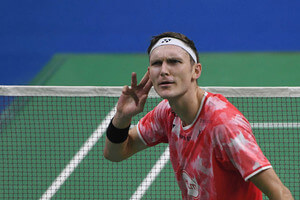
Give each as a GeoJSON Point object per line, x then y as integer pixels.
{"type": "Point", "coordinates": [212, 147]}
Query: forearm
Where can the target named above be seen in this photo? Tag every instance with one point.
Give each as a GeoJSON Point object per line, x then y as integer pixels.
{"type": "Point", "coordinates": [121, 151]}
{"type": "Point", "coordinates": [281, 194]}
{"type": "Point", "coordinates": [269, 183]}
{"type": "Point", "coordinates": [118, 152]}
{"type": "Point", "coordinates": [115, 152]}
{"type": "Point", "coordinates": [117, 138]}
{"type": "Point", "coordinates": [286, 194]}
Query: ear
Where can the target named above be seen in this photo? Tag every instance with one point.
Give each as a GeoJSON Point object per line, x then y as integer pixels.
{"type": "Point", "coordinates": [197, 71]}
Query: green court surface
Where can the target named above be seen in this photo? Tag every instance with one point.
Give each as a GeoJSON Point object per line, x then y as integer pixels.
{"type": "Point", "coordinates": [218, 69]}
{"type": "Point", "coordinates": [45, 133]}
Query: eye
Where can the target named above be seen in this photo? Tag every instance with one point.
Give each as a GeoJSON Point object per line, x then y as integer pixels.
{"type": "Point", "coordinates": [156, 63]}
{"type": "Point", "coordinates": [174, 61]}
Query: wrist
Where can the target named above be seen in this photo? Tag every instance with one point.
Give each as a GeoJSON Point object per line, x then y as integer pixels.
{"type": "Point", "coordinates": [119, 121]}
{"type": "Point", "coordinates": [116, 135]}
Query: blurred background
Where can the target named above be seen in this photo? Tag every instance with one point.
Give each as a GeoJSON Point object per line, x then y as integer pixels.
{"type": "Point", "coordinates": [100, 43]}
{"type": "Point", "coordinates": [64, 42]}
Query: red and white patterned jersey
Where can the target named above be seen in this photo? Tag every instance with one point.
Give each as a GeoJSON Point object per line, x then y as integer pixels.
{"type": "Point", "coordinates": [212, 158]}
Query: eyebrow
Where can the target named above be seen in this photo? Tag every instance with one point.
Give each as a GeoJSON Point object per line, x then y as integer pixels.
{"type": "Point", "coordinates": [172, 58]}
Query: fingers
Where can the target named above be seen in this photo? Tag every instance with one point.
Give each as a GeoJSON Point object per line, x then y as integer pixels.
{"type": "Point", "coordinates": [144, 79]}
{"type": "Point", "coordinates": [133, 80]}
{"type": "Point", "coordinates": [148, 86]}
{"type": "Point", "coordinates": [137, 93]}
{"type": "Point", "coordinates": [131, 92]}
{"type": "Point", "coordinates": [126, 90]}
{"type": "Point", "coordinates": [144, 86]}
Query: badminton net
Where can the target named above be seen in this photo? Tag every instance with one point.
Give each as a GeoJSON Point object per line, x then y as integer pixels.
{"type": "Point", "coordinates": [52, 141]}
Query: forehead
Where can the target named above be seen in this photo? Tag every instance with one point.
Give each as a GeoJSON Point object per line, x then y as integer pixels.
{"type": "Point", "coordinates": [167, 51]}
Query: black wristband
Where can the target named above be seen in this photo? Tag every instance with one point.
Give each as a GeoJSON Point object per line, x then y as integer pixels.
{"type": "Point", "coordinates": [116, 135]}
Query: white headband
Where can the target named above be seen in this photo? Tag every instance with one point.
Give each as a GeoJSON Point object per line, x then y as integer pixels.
{"type": "Point", "coordinates": [177, 42]}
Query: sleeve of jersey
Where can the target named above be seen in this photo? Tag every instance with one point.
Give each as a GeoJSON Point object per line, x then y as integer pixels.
{"type": "Point", "coordinates": [152, 128]}
{"type": "Point", "coordinates": [237, 144]}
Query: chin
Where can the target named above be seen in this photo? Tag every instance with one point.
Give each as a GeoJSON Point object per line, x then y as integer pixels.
{"type": "Point", "coordinates": [165, 94]}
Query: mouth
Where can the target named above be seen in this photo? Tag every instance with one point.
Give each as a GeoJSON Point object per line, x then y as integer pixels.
{"type": "Point", "coordinates": [166, 83]}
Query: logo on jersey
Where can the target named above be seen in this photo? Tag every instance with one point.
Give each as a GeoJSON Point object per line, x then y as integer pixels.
{"type": "Point", "coordinates": [191, 185]}
{"type": "Point", "coordinates": [186, 138]}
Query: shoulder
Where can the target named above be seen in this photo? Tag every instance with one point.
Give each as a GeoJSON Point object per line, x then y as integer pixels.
{"type": "Point", "coordinates": [219, 108]}
{"type": "Point", "coordinates": [224, 116]}
{"type": "Point", "coordinates": [155, 125]}
{"type": "Point", "coordinates": [217, 102]}
{"type": "Point", "coordinates": [159, 114]}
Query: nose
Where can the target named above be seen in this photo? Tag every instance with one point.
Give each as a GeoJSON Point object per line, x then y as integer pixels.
{"type": "Point", "coordinates": [164, 69]}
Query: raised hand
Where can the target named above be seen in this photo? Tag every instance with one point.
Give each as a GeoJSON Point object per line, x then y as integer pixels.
{"type": "Point", "coordinates": [132, 100]}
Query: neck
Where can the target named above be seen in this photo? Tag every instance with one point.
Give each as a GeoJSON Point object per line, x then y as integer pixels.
{"type": "Point", "coordinates": [187, 106]}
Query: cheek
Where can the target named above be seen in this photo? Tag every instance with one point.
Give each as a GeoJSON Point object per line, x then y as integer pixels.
{"type": "Point", "coordinates": [185, 78]}
{"type": "Point", "coordinates": [152, 75]}
{"type": "Point", "coordinates": [153, 72]}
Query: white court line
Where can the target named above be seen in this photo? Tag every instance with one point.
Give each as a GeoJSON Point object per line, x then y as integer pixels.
{"type": "Point", "coordinates": [276, 125]}
{"type": "Point", "coordinates": [156, 169]}
{"type": "Point", "coordinates": [87, 146]}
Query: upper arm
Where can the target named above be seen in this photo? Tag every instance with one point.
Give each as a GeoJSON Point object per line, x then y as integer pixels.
{"type": "Point", "coordinates": [135, 143]}
{"type": "Point", "coordinates": [269, 183]}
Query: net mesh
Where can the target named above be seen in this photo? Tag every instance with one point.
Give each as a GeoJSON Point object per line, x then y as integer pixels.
{"type": "Point", "coordinates": [51, 147]}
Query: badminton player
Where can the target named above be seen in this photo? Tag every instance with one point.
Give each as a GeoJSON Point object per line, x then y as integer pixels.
{"type": "Point", "coordinates": [212, 148]}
